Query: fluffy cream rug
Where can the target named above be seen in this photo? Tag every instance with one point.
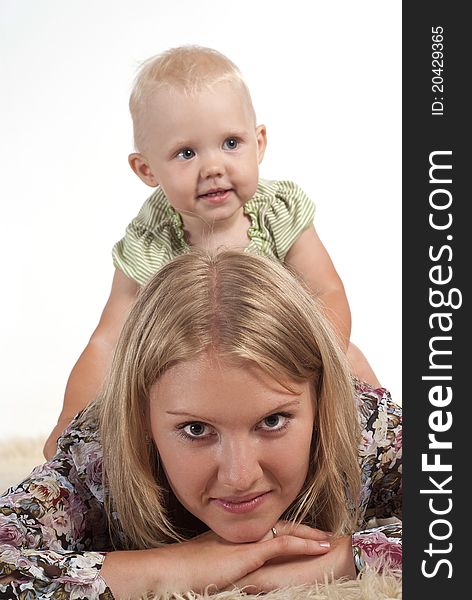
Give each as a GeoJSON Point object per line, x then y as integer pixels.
{"type": "Point", "coordinates": [368, 586]}
{"type": "Point", "coordinates": [19, 456]}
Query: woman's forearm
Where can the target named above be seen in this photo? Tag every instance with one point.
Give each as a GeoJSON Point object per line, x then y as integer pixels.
{"type": "Point", "coordinates": [134, 573]}
{"type": "Point", "coordinates": [48, 574]}
{"type": "Point", "coordinates": [206, 560]}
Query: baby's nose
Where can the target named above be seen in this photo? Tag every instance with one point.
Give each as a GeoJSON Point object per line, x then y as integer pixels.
{"type": "Point", "coordinates": [212, 168]}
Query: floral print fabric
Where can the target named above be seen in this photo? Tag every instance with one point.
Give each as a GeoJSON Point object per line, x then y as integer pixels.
{"type": "Point", "coordinates": [51, 521]}
{"type": "Point", "coordinates": [54, 534]}
{"type": "Point", "coordinates": [380, 457]}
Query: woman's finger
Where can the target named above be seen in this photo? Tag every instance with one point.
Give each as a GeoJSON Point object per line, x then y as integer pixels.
{"type": "Point", "coordinates": [302, 531]}
{"type": "Point", "coordinates": [285, 546]}
{"type": "Point", "coordinates": [294, 570]}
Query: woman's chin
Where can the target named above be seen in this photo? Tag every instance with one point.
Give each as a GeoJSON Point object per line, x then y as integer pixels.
{"type": "Point", "coordinates": [243, 534]}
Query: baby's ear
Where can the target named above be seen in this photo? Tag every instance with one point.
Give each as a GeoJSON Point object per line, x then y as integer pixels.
{"type": "Point", "coordinates": [261, 136]}
{"type": "Point", "coordinates": [143, 170]}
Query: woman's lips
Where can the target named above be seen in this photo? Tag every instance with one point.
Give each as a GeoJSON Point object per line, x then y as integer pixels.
{"type": "Point", "coordinates": [240, 505]}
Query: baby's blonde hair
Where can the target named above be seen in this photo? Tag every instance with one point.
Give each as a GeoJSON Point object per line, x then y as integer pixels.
{"type": "Point", "coordinates": [187, 69]}
{"type": "Point", "coordinates": [247, 310]}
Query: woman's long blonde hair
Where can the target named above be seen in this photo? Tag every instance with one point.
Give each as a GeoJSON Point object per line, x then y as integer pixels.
{"type": "Point", "coordinates": [243, 308]}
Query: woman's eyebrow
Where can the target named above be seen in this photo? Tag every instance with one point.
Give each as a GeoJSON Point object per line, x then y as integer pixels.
{"type": "Point", "coordinates": [291, 404]}
{"type": "Point", "coordinates": [295, 403]}
{"type": "Point", "coordinates": [184, 413]}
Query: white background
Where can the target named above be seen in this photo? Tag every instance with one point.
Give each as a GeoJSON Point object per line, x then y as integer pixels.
{"type": "Point", "coordinates": [325, 79]}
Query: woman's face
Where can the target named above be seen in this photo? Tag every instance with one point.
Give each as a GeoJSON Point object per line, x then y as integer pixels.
{"type": "Point", "coordinates": [234, 443]}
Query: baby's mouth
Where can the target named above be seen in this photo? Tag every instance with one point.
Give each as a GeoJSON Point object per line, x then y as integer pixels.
{"type": "Point", "coordinates": [215, 193]}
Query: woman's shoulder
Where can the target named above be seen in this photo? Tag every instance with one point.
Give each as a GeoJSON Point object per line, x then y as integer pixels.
{"type": "Point", "coordinates": [79, 451]}
{"type": "Point", "coordinates": [372, 401]}
{"type": "Point", "coordinates": [380, 420]}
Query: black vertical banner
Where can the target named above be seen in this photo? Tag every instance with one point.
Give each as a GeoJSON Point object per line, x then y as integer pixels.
{"type": "Point", "coordinates": [437, 257]}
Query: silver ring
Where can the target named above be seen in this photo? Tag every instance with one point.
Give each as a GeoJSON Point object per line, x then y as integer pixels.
{"type": "Point", "coordinates": [274, 531]}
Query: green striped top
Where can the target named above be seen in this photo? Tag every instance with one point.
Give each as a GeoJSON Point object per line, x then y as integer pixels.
{"type": "Point", "coordinates": [279, 212]}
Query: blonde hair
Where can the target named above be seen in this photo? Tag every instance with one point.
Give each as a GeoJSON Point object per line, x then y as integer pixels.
{"type": "Point", "coordinates": [244, 308]}
{"type": "Point", "coordinates": [188, 69]}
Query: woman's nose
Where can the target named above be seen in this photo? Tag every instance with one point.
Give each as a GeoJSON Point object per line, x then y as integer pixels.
{"type": "Point", "coordinates": [239, 466]}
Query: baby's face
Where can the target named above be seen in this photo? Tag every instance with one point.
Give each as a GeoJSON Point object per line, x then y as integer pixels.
{"type": "Point", "coordinates": [204, 151]}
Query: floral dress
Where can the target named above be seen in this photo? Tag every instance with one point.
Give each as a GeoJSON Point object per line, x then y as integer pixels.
{"type": "Point", "coordinates": [54, 534]}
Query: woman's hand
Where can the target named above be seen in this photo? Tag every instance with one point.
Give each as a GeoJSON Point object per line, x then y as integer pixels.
{"type": "Point", "coordinates": [302, 570]}
{"type": "Point", "coordinates": [206, 560]}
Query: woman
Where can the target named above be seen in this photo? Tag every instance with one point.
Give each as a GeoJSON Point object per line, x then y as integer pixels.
{"type": "Point", "coordinates": [228, 435]}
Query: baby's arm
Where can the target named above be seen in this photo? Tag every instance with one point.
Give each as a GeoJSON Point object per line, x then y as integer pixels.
{"type": "Point", "coordinates": [89, 371]}
{"type": "Point", "coordinates": [310, 259]}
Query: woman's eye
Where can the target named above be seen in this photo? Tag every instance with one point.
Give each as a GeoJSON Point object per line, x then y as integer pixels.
{"type": "Point", "coordinates": [195, 430]}
{"type": "Point", "coordinates": [186, 154]}
{"type": "Point", "coordinates": [275, 422]}
{"type": "Point", "coordinates": [231, 144]}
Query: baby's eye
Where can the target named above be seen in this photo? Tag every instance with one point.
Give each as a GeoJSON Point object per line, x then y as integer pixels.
{"type": "Point", "coordinates": [274, 422]}
{"type": "Point", "coordinates": [231, 144]}
{"type": "Point", "coordinates": [186, 154]}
